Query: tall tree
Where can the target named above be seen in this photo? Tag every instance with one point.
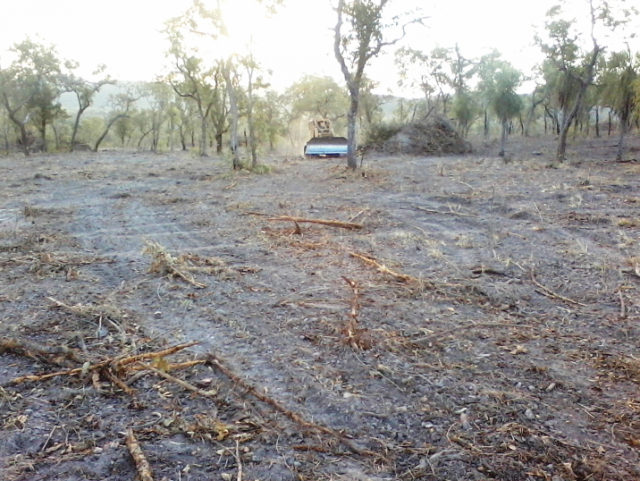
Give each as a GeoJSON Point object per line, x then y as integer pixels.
{"type": "Point", "coordinates": [210, 22]}
{"type": "Point", "coordinates": [504, 100]}
{"type": "Point", "coordinates": [192, 77]}
{"type": "Point", "coordinates": [30, 87]}
{"type": "Point", "coordinates": [575, 63]}
{"type": "Point", "coordinates": [317, 97]}
{"type": "Point", "coordinates": [620, 91]}
{"type": "Point", "coordinates": [355, 45]}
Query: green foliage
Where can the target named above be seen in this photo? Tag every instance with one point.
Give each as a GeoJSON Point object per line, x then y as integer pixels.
{"type": "Point", "coordinates": [503, 98]}
{"type": "Point", "coordinates": [620, 79]}
{"type": "Point", "coordinates": [377, 134]}
{"type": "Point", "coordinates": [30, 88]}
{"type": "Point", "coordinates": [317, 97]}
{"type": "Point", "coordinates": [465, 110]}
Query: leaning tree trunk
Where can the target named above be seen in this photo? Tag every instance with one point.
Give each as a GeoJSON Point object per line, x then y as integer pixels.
{"type": "Point", "coordinates": [76, 126]}
{"type": "Point", "coordinates": [106, 131]}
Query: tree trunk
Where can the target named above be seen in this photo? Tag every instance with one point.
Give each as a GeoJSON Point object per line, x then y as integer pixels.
{"type": "Point", "coordinates": [218, 142]}
{"type": "Point", "coordinates": [204, 152]}
{"type": "Point", "coordinates": [352, 118]}
{"type": "Point", "coordinates": [624, 127]}
{"type": "Point", "coordinates": [503, 138]}
{"type": "Point", "coordinates": [252, 136]}
{"type": "Point", "coordinates": [598, 122]}
{"type": "Point", "coordinates": [233, 111]}
{"type": "Point", "coordinates": [486, 125]}
{"type": "Point", "coordinates": [43, 134]}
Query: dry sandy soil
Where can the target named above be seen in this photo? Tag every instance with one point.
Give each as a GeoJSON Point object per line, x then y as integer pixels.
{"type": "Point", "coordinates": [479, 320]}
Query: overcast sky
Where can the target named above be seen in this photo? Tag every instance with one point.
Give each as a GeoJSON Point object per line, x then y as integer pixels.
{"type": "Point", "coordinates": [126, 34]}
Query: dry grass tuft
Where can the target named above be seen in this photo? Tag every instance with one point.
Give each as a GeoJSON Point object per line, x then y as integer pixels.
{"type": "Point", "coordinates": [163, 263]}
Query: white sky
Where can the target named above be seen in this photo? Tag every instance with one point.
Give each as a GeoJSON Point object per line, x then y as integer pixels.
{"type": "Point", "coordinates": [126, 34]}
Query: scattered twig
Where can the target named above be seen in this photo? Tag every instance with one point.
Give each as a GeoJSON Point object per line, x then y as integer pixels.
{"type": "Point", "coordinates": [354, 300]}
{"type": "Point", "coordinates": [623, 307]}
{"type": "Point", "coordinates": [480, 325]}
{"type": "Point", "coordinates": [382, 268]}
{"type": "Point", "coordinates": [290, 414]}
{"type": "Point", "coordinates": [355, 336]}
{"type": "Point", "coordinates": [358, 215]}
{"type": "Point", "coordinates": [549, 293]}
{"type": "Point", "coordinates": [451, 212]}
{"type": "Point", "coordinates": [142, 465]}
{"type": "Point", "coordinates": [117, 381]}
{"type": "Point", "coordinates": [330, 223]}
{"type": "Point", "coordinates": [92, 311]}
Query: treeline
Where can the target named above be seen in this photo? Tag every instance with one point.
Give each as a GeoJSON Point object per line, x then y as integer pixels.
{"type": "Point", "coordinates": [216, 101]}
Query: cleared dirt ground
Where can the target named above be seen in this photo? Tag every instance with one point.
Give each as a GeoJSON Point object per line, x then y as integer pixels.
{"type": "Point", "coordinates": [479, 320]}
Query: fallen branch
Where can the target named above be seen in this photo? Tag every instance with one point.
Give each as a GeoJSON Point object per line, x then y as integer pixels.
{"type": "Point", "coordinates": [170, 366]}
{"type": "Point", "coordinates": [554, 295]}
{"type": "Point", "coordinates": [383, 269]}
{"type": "Point", "coordinates": [142, 465]}
{"type": "Point", "coordinates": [179, 382]}
{"type": "Point", "coordinates": [113, 362]}
{"type": "Point", "coordinates": [290, 414]}
{"type": "Point", "coordinates": [27, 348]}
{"type": "Point", "coordinates": [153, 355]}
{"type": "Point", "coordinates": [330, 223]}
